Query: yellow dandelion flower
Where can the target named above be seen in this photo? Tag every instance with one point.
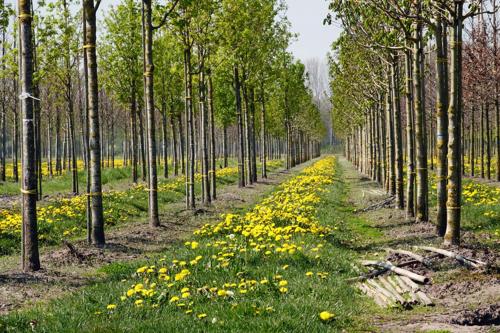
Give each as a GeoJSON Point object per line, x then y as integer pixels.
{"type": "Point", "coordinates": [326, 316]}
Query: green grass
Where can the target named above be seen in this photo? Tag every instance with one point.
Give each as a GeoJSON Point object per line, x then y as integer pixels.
{"type": "Point", "coordinates": [295, 311]}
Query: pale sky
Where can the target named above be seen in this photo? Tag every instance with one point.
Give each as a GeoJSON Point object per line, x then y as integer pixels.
{"type": "Point", "coordinates": [314, 38]}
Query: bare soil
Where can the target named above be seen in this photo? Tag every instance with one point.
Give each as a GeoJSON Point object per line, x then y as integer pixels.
{"type": "Point", "coordinates": [66, 270]}
{"type": "Point", "coordinates": [466, 300]}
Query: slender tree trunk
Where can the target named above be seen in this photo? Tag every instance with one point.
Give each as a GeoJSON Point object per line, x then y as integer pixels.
{"type": "Point", "coordinates": [190, 144]}
{"type": "Point", "coordinates": [224, 145]}
{"type": "Point", "coordinates": [398, 135]}
{"type": "Point", "coordinates": [473, 143]}
{"type": "Point", "coordinates": [213, 159]}
{"type": "Point", "coordinates": [482, 141]}
{"type": "Point", "coordinates": [453, 204]}
{"type": "Point", "coordinates": [263, 141]}
{"type": "Point", "coordinates": [133, 133]}
{"type": "Point", "coordinates": [420, 135]}
{"type": "Point", "coordinates": [246, 116]}
{"type": "Point", "coordinates": [3, 118]}
{"type": "Point", "coordinates": [253, 150]}
{"type": "Point", "coordinates": [142, 143]}
{"type": "Point", "coordinates": [30, 255]}
{"type": "Point", "coordinates": [165, 139]}
{"type": "Point", "coordinates": [174, 143]}
{"type": "Point", "coordinates": [488, 140]}
{"type": "Point", "coordinates": [391, 184]}
{"type": "Point", "coordinates": [154, 220]}
{"type": "Point", "coordinates": [442, 122]}
{"type": "Point", "coordinates": [98, 238]}
{"type": "Point", "coordinates": [206, 195]}
{"type": "Point", "coordinates": [241, 142]}
{"type": "Point", "coordinates": [410, 190]}
{"type": "Point", "coordinates": [181, 145]}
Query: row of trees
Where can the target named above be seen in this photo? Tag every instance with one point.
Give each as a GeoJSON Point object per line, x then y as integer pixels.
{"type": "Point", "coordinates": [186, 81]}
{"type": "Point", "coordinates": [407, 87]}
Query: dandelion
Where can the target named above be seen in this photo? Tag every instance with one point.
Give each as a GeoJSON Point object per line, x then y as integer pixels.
{"type": "Point", "coordinates": [111, 306]}
{"type": "Point", "coordinates": [309, 274]}
{"type": "Point", "coordinates": [139, 302]}
{"type": "Point", "coordinates": [201, 315]}
{"type": "Point", "coordinates": [326, 316]}
{"type": "Point", "coordinates": [142, 269]}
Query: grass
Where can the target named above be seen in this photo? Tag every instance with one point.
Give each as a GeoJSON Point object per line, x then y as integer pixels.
{"type": "Point", "coordinates": [265, 309]}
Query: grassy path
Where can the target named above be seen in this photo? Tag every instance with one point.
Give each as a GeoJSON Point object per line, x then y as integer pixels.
{"type": "Point", "coordinates": [62, 272]}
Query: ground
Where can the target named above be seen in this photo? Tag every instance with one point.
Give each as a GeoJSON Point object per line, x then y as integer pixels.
{"type": "Point", "coordinates": [454, 289]}
{"type": "Point", "coordinates": [466, 300]}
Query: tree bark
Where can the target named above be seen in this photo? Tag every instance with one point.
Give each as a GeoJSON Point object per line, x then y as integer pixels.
{"type": "Point", "coordinates": [410, 190]}
{"type": "Point", "coordinates": [190, 144]}
{"type": "Point", "coordinates": [453, 205]}
{"type": "Point", "coordinates": [398, 135]}
{"type": "Point", "coordinates": [154, 220]}
{"type": "Point", "coordinates": [98, 238]}
{"type": "Point", "coordinates": [30, 254]}
{"type": "Point", "coordinates": [420, 135]}
{"type": "Point", "coordinates": [442, 122]}
{"type": "Point", "coordinates": [241, 142]}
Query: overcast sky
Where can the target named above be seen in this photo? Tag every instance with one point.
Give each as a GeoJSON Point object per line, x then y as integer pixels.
{"type": "Point", "coordinates": [314, 38]}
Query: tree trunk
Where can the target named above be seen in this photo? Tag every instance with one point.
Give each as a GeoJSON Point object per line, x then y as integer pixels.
{"type": "Point", "coordinates": [98, 238]}
{"type": "Point", "coordinates": [190, 144]}
{"type": "Point", "coordinates": [263, 141]}
{"type": "Point", "coordinates": [154, 220]}
{"type": "Point", "coordinates": [410, 190]}
{"type": "Point", "coordinates": [165, 139]}
{"type": "Point", "coordinates": [398, 135]}
{"type": "Point", "coordinates": [142, 143]}
{"type": "Point", "coordinates": [224, 145]}
{"type": "Point", "coordinates": [453, 204]}
{"type": "Point", "coordinates": [488, 140]}
{"type": "Point", "coordinates": [442, 122]}
{"type": "Point", "coordinates": [174, 145]}
{"type": "Point", "coordinates": [241, 142]}
{"type": "Point", "coordinates": [253, 150]}
{"type": "Point", "coordinates": [213, 159]}
{"type": "Point", "coordinates": [30, 255]}
{"type": "Point", "coordinates": [420, 135]}
{"type": "Point", "coordinates": [206, 193]}
{"type": "Point", "coordinates": [181, 145]}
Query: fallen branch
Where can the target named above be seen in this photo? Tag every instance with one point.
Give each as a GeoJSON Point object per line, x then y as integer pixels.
{"type": "Point", "coordinates": [383, 291]}
{"type": "Point", "coordinates": [461, 259]}
{"type": "Point", "coordinates": [397, 270]}
{"type": "Point", "coordinates": [381, 300]}
{"type": "Point", "coordinates": [413, 286]}
{"type": "Point", "coordinates": [393, 291]}
{"type": "Point", "coordinates": [74, 251]}
{"type": "Point", "coordinates": [424, 299]}
{"type": "Point", "coordinates": [415, 256]}
{"type": "Point", "coordinates": [378, 205]}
